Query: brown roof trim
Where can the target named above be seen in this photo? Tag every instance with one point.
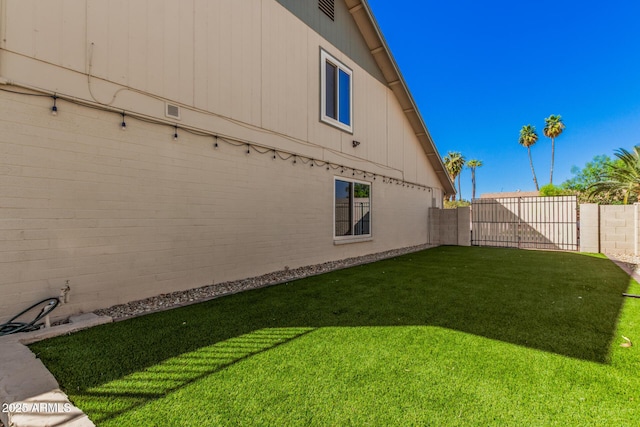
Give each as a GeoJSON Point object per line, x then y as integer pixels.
{"type": "Point", "coordinates": [378, 47]}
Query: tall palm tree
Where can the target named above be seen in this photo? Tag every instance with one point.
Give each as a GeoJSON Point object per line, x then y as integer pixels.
{"type": "Point", "coordinates": [528, 138]}
{"type": "Point", "coordinates": [623, 176]}
{"type": "Point", "coordinates": [552, 129]}
{"type": "Point", "coordinates": [460, 167]}
{"type": "Point", "coordinates": [450, 163]}
{"type": "Point", "coordinates": [473, 164]}
{"type": "Point", "coordinates": [454, 163]}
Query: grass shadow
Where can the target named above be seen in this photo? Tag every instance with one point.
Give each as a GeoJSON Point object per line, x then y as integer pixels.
{"type": "Point", "coordinates": [564, 303]}
{"type": "Point", "coordinates": [116, 397]}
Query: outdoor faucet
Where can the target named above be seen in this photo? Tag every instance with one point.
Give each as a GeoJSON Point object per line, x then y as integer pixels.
{"type": "Point", "coordinates": [64, 293]}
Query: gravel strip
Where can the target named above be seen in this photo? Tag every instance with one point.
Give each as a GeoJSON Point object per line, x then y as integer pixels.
{"type": "Point", "coordinates": [192, 296]}
{"type": "Point", "coordinates": [633, 262]}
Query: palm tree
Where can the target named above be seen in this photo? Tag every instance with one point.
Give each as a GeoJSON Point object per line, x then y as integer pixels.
{"type": "Point", "coordinates": [473, 164]}
{"type": "Point", "coordinates": [529, 137]}
{"type": "Point", "coordinates": [460, 166]}
{"type": "Point", "coordinates": [450, 163]}
{"type": "Point", "coordinates": [623, 176]}
{"type": "Point", "coordinates": [454, 163]}
{"type": "Point", "coordinates": [552, 129]}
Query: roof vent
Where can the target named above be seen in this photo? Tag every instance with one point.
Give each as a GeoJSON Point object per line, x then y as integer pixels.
{"type": "Point", "coordinates": [172, 111]}
{"type": "Point", "coordinates": [328, 7]}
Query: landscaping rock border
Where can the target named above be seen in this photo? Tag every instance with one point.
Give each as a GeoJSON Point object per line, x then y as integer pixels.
{"type": "Point", "coordinates": [205, 293]}
{"type": "Point", "coordinates": [632, 261]}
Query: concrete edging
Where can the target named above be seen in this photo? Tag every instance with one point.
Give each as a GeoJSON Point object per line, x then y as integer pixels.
{"type": "Point", "coordinates": [29, 394]}
{"type": "Point", "coordinates": [634, 274]}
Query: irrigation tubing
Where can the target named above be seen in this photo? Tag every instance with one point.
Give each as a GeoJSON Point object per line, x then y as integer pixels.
{"type": "Point", "coordinates": [12, 327]}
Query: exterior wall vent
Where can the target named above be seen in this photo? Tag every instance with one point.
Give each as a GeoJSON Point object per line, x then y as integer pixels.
{"type": "Point", "coordinates": [328, 7]}
{"type": "Point", "coordinates": [172, 111]}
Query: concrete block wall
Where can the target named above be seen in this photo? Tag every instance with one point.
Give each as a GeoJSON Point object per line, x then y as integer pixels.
{"type": "Point", "coordinates": [127, 215]}
{"type": "Point", "coordinates": [609, 228]}
{"type": "Point", "coordinates": [617, 228]}
{"type": "Point", "coordinates": [433, 223]}
{"type": "Point", "coordinates": [442, 227]}
{"type": "Point", "coordinates": [464, 226]}
{"type": "Point", "coordinates": [450, 226]}
{"type": "Point", "coordinates": [590, 228]}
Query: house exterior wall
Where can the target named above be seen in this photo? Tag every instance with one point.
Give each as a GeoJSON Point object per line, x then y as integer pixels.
{"type": "Point", "coordinates": [126, 215]}
{"type": "Point", "coordinates": [339, 32]}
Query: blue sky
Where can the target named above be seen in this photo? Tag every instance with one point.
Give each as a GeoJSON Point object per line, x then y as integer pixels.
{"type": "Point", "coordinates": [479, 71]}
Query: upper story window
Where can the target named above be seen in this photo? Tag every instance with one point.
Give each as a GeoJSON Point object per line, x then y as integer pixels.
{"type": "Point", "coordinates": [337, 92]}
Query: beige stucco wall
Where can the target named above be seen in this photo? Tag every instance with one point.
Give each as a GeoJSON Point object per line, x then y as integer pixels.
{"type": "Point", "coordinates": [125, 215]}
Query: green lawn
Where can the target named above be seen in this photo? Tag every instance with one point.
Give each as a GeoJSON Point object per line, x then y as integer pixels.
{"type": "Point", "coordinates": [446, 336]}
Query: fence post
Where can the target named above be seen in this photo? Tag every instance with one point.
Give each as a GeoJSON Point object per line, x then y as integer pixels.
{"type": "Point", "coordinates": [519, 229]}
{"type": "Point", "coordinates": [434, 226]}
{"type": "Point", "coordinates": [636, 228]}
{"type": "Point", "coordinates": [464, 226]}
{"type": "Point", "coordinates": [589, 227]}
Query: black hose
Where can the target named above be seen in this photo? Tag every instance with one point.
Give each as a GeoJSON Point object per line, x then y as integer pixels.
{"type": "Point", "coordinates": [12, 327]}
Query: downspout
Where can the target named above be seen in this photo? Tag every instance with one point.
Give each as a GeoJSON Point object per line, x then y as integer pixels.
{"type": "Point", "coordinates": [3, 24]}
{"type": "Point", "coordinates": [3, 36]}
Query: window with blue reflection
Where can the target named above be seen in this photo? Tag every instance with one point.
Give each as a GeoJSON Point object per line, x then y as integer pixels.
{"type": "Point", "coordinates": [345, 98]}
{"type": "Point", "coordinates": [337, 93]}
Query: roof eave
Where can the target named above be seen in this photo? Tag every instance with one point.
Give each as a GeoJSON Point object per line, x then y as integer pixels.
{"type": "Point", "coordinates": [366, 22]}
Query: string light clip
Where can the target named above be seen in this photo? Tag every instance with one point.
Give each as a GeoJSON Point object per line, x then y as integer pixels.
{"type": "Point", "coordinates": [54, 108]}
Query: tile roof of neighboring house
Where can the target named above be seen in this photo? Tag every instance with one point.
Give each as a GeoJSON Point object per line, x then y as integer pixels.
{"type": "Point", "coordinates": [510, 194]}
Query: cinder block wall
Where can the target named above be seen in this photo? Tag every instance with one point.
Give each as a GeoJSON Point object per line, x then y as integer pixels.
{"type": "Point", "coordinates": [127, 215]}
{"type": "Point", "coordinates": [590, 227]}
{"type": "Point", "coordinates": [636, 243]}
{"type": "Point", "coordinates": [617, 228]}
{"type": "Point", "coordinates": [609, 228]}
{"type": "Point", "coordinates": [464, 226]}
{"type": "Point", "coordinates": [450, 226]}
{"type": "Point", "coordinates": [434, 225]}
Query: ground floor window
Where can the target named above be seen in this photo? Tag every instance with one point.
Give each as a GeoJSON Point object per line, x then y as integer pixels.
{"type": "Point", "coordinates": [352, 208]}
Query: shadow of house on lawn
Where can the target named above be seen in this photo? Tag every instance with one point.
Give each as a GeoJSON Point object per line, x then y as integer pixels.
{"type": "Point", "coordinates": [564, 303]}
{"type": "Point", "coordinates": [107, 401]}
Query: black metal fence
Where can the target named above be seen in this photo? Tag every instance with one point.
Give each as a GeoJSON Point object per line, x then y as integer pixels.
{"type": "Point", "coordinates": [352, 219]}
{"type": "Point", "coordinates": [362, 212]}
{"type": "Point", "coordinates": [526, 222]}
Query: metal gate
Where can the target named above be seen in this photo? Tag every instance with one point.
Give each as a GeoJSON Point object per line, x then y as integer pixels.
{"type": "Point", "coordinates": [526, 222]}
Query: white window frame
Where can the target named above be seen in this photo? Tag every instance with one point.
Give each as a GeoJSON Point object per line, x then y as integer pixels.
{"type": "Point", "coordinates": [324, 58]}
{"type": "Point", "coordinates": [353, 237]}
